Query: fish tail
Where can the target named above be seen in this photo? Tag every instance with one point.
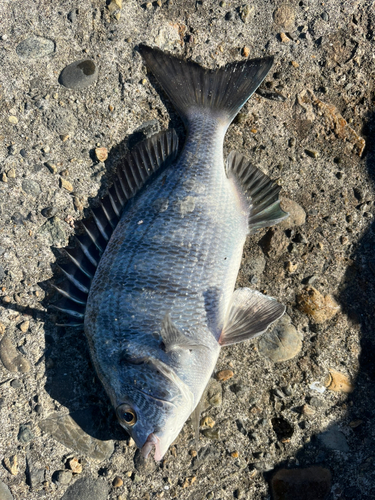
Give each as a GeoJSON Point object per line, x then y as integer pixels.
{"type": "Point", "coordinates": [194, 90]}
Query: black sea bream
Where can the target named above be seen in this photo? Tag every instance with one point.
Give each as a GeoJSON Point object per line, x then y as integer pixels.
{"type": "Point", "coordinates": [153, 278]}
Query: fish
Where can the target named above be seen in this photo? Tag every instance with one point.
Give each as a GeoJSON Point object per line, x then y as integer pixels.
{"type": "Point", "coordinates": [152, 276]}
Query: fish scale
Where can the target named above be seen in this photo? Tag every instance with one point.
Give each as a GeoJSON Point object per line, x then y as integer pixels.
{"type": "Point", "coordinates": [167, 244]}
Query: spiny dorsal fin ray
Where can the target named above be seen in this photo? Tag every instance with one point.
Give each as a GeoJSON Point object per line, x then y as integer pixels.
{"type": "Point", "coordinates": [261, 192]}
{"type": "Point", "coordinates": [193, 89]}
{"type": "Point", "coordinates": [138, 166]}
{"type": "Point", "coordinates": [250, 314]}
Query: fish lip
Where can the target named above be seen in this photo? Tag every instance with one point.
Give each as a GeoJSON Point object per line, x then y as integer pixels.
{"type": "Point", "coordinates": [151, 441]}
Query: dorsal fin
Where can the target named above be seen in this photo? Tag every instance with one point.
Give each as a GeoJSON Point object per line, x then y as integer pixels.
{"type": "Point", "coordinates": [138, 166]}
{"type": "Point", "coordinates": [261, 192]}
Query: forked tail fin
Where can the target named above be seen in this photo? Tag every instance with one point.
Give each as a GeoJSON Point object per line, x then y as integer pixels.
{"type": "Point", "coordinates": [193, 89]}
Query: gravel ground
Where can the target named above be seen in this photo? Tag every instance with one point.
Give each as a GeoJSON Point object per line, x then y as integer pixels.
{"type": "Point", "coordinates": [296, 408]}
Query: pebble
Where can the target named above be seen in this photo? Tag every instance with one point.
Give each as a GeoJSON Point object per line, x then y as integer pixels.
{"type": "Point", "coordinates": [114, 5]}
{"type": "Point", "coordinates": [207, 422]}
{"type": "Point", "coordinates": [325, 16]}
{"type": "Point", "coordinates": [5, 494]}
{"type": "Point", "coordinates": [281, 343]}
{"type": "Point", "coordinates": [63, 476]}
{"type": "Point", "coordinates": [87, 488]}
{"type": "Point", "coordinates": [31, 187]}
{"type": "Point", "coordinates": [274, 243]}
{"type": "Point", "coordinates": [284, 15]}
{"type": "Point", "coordinates": [117, 482]}
{"type": "Point", "coordinates": [101, 154]}
{"type": "Point", "coordinates": [79, 75]}
{"type": "Point", "coordinates": [13, 120]}
{"type": "Point", "coordinates": [294, 64]}
{"type": "Point", "coordinates": [49, 212]}
{"type": "Point", "coordinates": [224, 375]}
{"type": "Point", "coordinates": [312, 153]}
{"type": "Point", "coordinates": [319, 307]}
{"type": "Point", "coordinates": [246, 12]}
{"type": "Point", "coordinates": [11, 358]}
{"type": "Point", "coordinates": [214, 396]}
{"type": "Point", "coordinates": [35, 47]}
{"type": "Point", "coordinates": [34, 475]}
{"type": "Point", "coordinates": [25, 434]}
{"type": "Point", "coordinates": [297, 215]}
{"type": "Point", "coordinates": [54, 229]}
{"type": "Point", "coordinates": [338, 382]}
{"type": "Point", "coordinates": [333, 439]}
{"type": "Point", "coordinates": [67, 432]}
{"type": "Point", "coordinates": [11, 173]}
{"type": "Point", "coordinates": [24, 326]}
{"type": "Point", "coordinates": [75, 465]}
{"type": "Point", "coordinates": [11, 464]}
{"type": "Point", "coordinates": [189, 481]}
{"type": "Point", "coordinates": [2, 326]}
{"type": "Point", "coordinates": [51, 167]}
{"type": "Point", "coordinates": [212, 433]}
{"type": "Point", "coordinates": [312, 483]}
{"type": "Point", "coordinates": [66, 184]}
{"type": "Point", "coordinates": [245, 51]}
{"type": "Point", "coordinates": [16, 384]}
{"type": "Point", "coordinates": [284, 38]}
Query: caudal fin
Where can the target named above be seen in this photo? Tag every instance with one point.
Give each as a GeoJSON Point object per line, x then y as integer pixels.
{"type": "Point", "coordinates": [193, 89]}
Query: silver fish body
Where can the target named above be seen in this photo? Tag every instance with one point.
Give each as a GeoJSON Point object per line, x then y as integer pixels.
{"type": "Point", "coordinates": [162, 303]}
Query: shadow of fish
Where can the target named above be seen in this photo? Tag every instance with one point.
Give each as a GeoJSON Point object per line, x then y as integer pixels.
{"type": "Point", "coordinates": [153, 276]}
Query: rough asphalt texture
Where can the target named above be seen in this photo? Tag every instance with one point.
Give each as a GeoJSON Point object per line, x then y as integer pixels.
{"type": "Point", "coordinates": [58, 434]}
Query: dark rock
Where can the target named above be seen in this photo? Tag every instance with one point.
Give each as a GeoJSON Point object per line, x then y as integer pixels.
{"type": "Point", "coordinates": [16, 384]}
{"type": "Point", "coordinates": [333, 439]}
{"type": "Point", "coordinates": [313, 483]}
{"type": "Point", "coordinates": [25, 434]}
{"type": "Point", "coordinates": [31, 187]}
{"type": "Point", "coordinates": [23, 153]}
{"type": "Point", "coordinates": [49, 212]}
{"type": "Point", "coordinates": [87, 488]}
{"type": "Point", "coordinates": [79, 74]}
{"type": "Point", "coordinates": [281, 343]}
{"type": "Point", "coordinates": [35, 47]}
{"type": "Point", "coordinates": [62, 476]}
{"type": "Point", "coordinates": [34, 475]}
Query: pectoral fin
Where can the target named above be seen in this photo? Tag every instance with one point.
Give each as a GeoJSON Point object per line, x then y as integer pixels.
{"type": "Point", "coordinates": [173, 338]}
{"type": "Point", "coordinates": [250, 314]}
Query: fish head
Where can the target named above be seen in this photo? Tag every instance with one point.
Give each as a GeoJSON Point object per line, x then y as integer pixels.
{"type": "Point", "coordinates": [152, 405]}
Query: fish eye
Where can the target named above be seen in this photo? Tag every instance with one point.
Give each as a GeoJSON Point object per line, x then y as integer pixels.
{"type": "Point", "coordinates": [126, 414]}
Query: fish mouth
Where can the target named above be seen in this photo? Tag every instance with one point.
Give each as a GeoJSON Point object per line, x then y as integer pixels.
{"type": "Point", "coordinates": [151, 441]}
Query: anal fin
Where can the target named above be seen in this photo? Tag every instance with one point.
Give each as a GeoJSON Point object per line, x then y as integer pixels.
{"type": "Point", "coordinates": [262, 193]}
{"type": "Point", "coordinates": [250, 314]}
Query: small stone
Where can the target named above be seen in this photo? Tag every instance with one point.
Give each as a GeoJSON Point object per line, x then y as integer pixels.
{"type": "Point", "coordinates": [284, 15]}
{"type": "Point", "coordinates": [11, 464]}
{"type": "Point", "coordinates": [75, 465]}
{"type": "Point", "coordinates": [224, 375]}
{"type": "Point", "coordinates": [31, 187]}
{"type": "Point", "coordinates": [2, 328]}
{"type": "Point", "coordinates": [193, 453]}
{"type": "Point", "coordinates": [325, 16]}
{"type": "Point", "coordinates": [114, 5]}
{"type": "Point", "coordinates": [24, 326]}
{"type": "Point", "coordinates": [297, 215]}
{"type": "Point", "coordinates": [274, 243]}
{"type": "Point", "coordinates": [49, 212]}
{"type": "Point", "coordinates": [246, 12]}
{"type": "Point", "coordinates": [11, 358]}
{"type": "Point", "coordinates": [13, 120]}
{"type": "Point", "coordinates": [65, 429]}
{"type": "Point", "coordinates": [35, 47]}
{"type": "Point", "coordinates": [291, 267]}
{"type": "Point", "coordinates": [212, 433]}
{"type": "Point", "coordinates": [78, 204]}
{"type": "Point", "coordinates": [294, 64]}
{"type": "Point", "coordinates": [23, 153]}
{"type": "Point", "coordinates": [207, 422]}
{"type": "Point", "coordinates": [79, 74]}
{"type": "Point", "coordinates": [25, 434]}
{"type": "Point", "coordinates": [214, 395]}
{"type": "Point", "coordinates": [54, 229]}
{"type": "Point", "coordinates": [245, 51]}
{"type": "Point", "coordinates": [313, 483]}
{"type": "Point", "coordinates": [5, 494]}
{"type": "Point", "coordinates": [16, 384]}
{"type": "Point", "coordinates": [64, 476]}
{"type": "Point", "coordinates": [51, 167]}
{"type": "Point", "coordinates": [101, 154]}
{"type": "Point", "coordinates": [189, 481]}
{"type": "Point", "coordinates": [284, 38]}
{"type": "Point", "coordinates": [235, 454]}
{"type": "Point", "coordinates": [66, 185]}
{"type": "Point", "coordinates": [117, 482]}
{"type": "Point", "coordinates": [312, 153]}
{"type": "Point", "coordinates": [333, 439]}
{"type": "Point", "coordinates": [320, 308]}
{"type": "Point", "coordinates": [11, 174]}
{"type": "Point", "coordinates": [4, 177]}
{"type": "Point", "coordinates": [64, 137]}
{"type": "Point", "coordinates": [308, 410]}
{"type": "Point", "coordinates": [87, 488]}
{"type": "Point", "coordinates": [338, 382]}
{"type": "Point", "coordinates": [281, 343]}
